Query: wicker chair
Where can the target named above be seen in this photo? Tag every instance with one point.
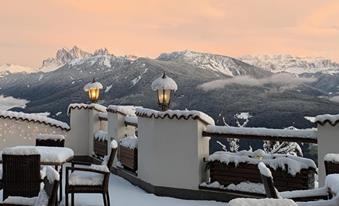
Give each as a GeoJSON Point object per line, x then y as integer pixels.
{"type": "Point", "coordinates": [90, 179]}
{"type": "Point", "coordinates": [50, 140]}
{"type": "Point", "coordinates": [46, 197]}
{"type": "Point", "coordinates": [21, 175]}
{"type": "Point", "coordinates": [307, 195]}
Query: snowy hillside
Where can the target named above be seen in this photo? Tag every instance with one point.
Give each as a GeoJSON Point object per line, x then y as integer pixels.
{"type": "Point", "coordinates": [6, 69]}
{"type": "Point", "coordinates": [292, 64]}
{"type": "Point", "coordinates": [226, 65]}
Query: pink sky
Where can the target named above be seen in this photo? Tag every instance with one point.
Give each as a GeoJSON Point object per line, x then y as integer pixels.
{"type": "Point", "coordinates": [33, 30]}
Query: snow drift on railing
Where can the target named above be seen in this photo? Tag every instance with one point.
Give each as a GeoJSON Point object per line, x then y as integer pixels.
{"type": "Point", "coordinates": [322, 119]}
{"type": "Point", "coordinates": [178, 114]}
{"type": "Point", "coordinates": [34, 118]}
{"type": "Point", "coordinates": [101, 135]}
{"type": "Point", "coordinates": [97, 107]}
{"type": "Point", "coordinates": [123, 109]}
{"type": "Point", "coordinates": [332, 158]}
{"type": "Point", "coordinates": [131, 119]}
{"type": "Point", "coordinates": [258, 131]}
{"type": "Point", "coordinates": [130, 142]}
{"type": "Point", "coordinates": [274, 161]}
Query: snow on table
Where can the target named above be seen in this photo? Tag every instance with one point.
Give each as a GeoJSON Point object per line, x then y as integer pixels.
{"type": "Point", "coordinates": [294, 164]}
{"type": "Point", "coordinates": [178, 114]}
{"type": "Point", "coordinates": [48, 155]}
{"type": "Point", "coordinates": [258, 131]}
{"type": "Point", "coordinates": [261, 202]}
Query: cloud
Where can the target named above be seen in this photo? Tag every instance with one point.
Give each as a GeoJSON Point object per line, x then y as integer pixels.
{"type": "Point", "coordinates": [279, 82]}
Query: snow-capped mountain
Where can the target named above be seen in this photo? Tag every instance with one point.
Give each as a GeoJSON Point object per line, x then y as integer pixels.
{"type": "Point", "coordinates": [63, 56]}
{"type": "Point", "coordinates": [226, 65]}
{"type": "Point", "coordinates": [6, 69]}
{"type": "Point", "coordinates": [292, 64]}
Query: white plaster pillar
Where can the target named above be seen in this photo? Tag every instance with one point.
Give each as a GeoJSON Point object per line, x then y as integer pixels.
{"type": "Point", "coordinates": [116, 125]}
{"type": "Point", "coordinates": [328, 142]}
{"type": "Point", "coordinates": [84, 122]}
{"type": "Point", "coordinates": [171, 151]}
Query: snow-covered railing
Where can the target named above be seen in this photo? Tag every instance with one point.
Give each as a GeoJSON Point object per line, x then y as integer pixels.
{"type": "Point", "coordinates": [131, 121]}
{"type": "Point", "coordinates": [327, 118]}
{"type": "Point", "coordinates": [96, 107]}
{"type": "Point", "coordinates": [289, 135]}
{"type": "Point", "coordinates": [122, 109]}
{"type": "Point", "coordinates": [34, 118]}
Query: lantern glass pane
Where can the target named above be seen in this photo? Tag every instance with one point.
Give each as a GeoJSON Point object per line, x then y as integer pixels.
{"type": "Point", "coordinates": [93, 94]}
{"type": "Point", "coordinates": [164, 96]}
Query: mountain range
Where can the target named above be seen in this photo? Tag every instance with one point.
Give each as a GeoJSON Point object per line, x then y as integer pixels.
{"type": "Point", "coordinates": [276, 90]}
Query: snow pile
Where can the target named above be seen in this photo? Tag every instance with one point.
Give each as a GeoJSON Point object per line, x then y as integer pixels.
{"type": "Point", "coordinates": [322, 119]}
{"type": "Point", "coordinates": [125, 110]}
{"type": "Point", "coordinates": [131, 119]}
{"type": "Point", "coordinates": [96, 85]}
{"type": "Point", "coordinates": [274, 161]}
{"type": "Point", "coordinates": [332, 158]}
{"type": "Point", "coordinates": [242, 186]}
{"type": "Point", "coordinates": [114, 144]}
{"type": "Point", "coordinates": [304, 193]}
{"type": "Point", "coordinates": [164, 82]}
{"type": "Point", "coordinates": [258, 131]}
{"type": "Point", "coordinates": [57, 137]}
{"type": "Point", "coordinates": [20, 151]}
{"type": "Point", "coordinates": [261, 202]}
{"type": "Point", "coordinates": [130, 142]}
{"type": "Point", "coordinates": [178, 114]}
{"type": "Point", "coordinates": [101, 135]}
{"type": "Point", "coordinates": [97, 107]}
{"type": "Point", "coordinates": [264, 170]}
{"type": "Point", "coordinates": [34, 118]}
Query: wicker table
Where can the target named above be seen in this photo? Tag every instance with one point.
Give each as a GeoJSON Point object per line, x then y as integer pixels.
{"type": "Point", "coordinates": [56, 156]}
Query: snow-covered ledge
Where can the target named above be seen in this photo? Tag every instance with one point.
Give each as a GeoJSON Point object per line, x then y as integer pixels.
{"type": "Point", "coordinates": [171, 147]}
{"type": "Point", "coordinates": [85, 122]}
{"type": "Point", "coordinates": [17, 128]}
{"type": "Point", "coordinates": [328, 137]}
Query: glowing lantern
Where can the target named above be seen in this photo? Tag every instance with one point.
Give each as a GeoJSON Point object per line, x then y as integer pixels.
{"type": "Point", "coordinates": [164, 86]}
{"type": "Point", "coordinates": [93, 88]}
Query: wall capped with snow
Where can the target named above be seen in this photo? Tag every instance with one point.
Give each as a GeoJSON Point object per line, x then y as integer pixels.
{"type": "Point", "coordinates": [18, 131]}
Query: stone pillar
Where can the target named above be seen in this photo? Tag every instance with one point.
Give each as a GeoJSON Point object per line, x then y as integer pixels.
{"type": "Point", "coordinates": [328, 142]}
{"type": "Point", "coordinates": [171, 150]}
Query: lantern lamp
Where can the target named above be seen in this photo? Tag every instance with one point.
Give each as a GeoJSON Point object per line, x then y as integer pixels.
{"type": "Point", "coordinates": [164, 86]}
{"type": "Point", "coordinates": [93, 88]}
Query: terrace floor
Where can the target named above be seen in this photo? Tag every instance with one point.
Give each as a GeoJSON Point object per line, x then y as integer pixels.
{"type": "Point", "coordinates": [124, 193]}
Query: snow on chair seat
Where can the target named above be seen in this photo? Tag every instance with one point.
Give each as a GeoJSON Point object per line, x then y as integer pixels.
{"type": "Point", "coordinates": [88, 178]}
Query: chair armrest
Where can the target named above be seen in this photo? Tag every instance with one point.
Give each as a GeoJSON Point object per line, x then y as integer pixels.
{"type": "Point", "coordinates": [306, 195]}
{"type": "Point", "coordinates": [85, 169]}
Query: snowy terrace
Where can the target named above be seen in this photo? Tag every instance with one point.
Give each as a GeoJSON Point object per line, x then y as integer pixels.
{"type": "Point", "coordinates": [167, 153]}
